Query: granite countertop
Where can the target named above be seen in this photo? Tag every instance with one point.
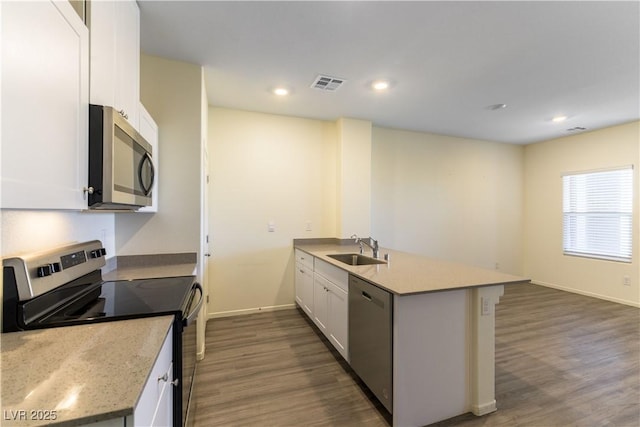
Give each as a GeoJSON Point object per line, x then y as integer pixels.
{"type": "Point", "coordinates": [407, 273]}
{"type": "Point", "coordinates": [78, 374]}
{"type": "Point", "coordinates": [132, 267]}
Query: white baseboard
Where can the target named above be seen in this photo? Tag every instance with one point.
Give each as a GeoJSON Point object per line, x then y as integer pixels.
{"type": "Point", "coordinates": [200, 355]}
{"type": "Point", "coordinates": [588, 294]}
{"type": "Point", "coordinates": [249, 311]}
{"type": "Point", "coordinates": [485, 408]}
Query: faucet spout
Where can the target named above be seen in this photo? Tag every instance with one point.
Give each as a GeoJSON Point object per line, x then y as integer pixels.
{"type": "Point", "coordinates": [369, 241]}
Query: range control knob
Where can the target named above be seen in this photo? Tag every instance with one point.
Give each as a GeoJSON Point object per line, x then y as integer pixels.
{"type": "Point", "coordinates": [45, 270]}
{"type": "Point", "coordinates": [97, 253]}
{"type": "Point", "coordinates": [49, 269]}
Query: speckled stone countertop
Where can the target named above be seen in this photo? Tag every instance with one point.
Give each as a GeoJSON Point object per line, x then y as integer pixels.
{"type": "Point", "coordinates": [133, 267]}
{"type": "Point", "coordinates": [78, 374]}
{"type": "Point", "coordinates": [407, 273]}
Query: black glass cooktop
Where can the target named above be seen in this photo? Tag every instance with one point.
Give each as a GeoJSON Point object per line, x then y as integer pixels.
{"type": "Point", "coordinates": [123, 300]}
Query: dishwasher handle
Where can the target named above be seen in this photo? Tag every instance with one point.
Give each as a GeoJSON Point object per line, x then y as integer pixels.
{"type": "Point", "coordinates": [366, 296]}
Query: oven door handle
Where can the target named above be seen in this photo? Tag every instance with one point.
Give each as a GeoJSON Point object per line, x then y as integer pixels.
{"type": "Point", "coordinates": [190, 318]}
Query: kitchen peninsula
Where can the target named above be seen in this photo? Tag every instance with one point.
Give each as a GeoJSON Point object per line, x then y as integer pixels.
{"type": "Point", "coordinates": [442, 328]}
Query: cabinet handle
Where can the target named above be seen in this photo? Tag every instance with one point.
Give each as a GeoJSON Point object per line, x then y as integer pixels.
{"type": "Point", "coordinates": [165, 378]}
{"type": "Point", "coordinates": [123, 114]}
{"type": "Point", "coordinates": [301, 271]}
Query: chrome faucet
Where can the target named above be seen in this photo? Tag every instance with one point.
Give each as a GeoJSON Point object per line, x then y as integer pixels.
{"type": "Point", "coordinates": [369, 241]}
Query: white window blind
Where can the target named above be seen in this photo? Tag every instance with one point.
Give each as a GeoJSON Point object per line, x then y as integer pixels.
{"type": "Point", "coordinates": [597, 219]}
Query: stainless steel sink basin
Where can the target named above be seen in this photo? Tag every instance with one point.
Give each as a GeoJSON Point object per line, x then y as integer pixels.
{"type": "Point", "coordinates": [355, 259]}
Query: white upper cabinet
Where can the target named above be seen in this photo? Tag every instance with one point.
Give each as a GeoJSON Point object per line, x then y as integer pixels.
{"type": "Point", "coordinates": [115, 56]}
{"type": "Point", "coordinates": [45, 93]}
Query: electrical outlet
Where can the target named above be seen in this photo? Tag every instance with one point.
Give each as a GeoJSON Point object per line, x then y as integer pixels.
{"type": "Point", "coordinates": [626, 280]}
{"type": "Point", "coordinates": [497, 266]}
{"type": "Point", "coordinates": [309, 227]}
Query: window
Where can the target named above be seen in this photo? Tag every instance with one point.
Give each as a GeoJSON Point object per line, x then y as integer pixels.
{"type": "Point", "coordinates": [597, 220]}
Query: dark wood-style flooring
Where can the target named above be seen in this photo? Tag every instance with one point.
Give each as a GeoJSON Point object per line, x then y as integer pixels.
{"type": "Point", "coordinates": [561, 360]}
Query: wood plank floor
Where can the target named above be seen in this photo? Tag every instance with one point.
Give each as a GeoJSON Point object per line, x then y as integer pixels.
{"type": "Point", "coordinates": [561, 360]}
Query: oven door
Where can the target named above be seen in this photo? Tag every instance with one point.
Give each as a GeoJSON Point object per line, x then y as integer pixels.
{"type": "Point", "coordinates": [189, 349]}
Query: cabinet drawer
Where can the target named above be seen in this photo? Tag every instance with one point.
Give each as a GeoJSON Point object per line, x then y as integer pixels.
{"type": "Point", "coordinates": [335, 275]}
{"type": "Point", "coordinates": [304, 258]}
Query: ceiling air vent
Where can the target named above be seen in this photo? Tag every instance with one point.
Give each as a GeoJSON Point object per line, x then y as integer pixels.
{"type": "Point", "coordinates": [327, 83]}
{"type": "Point", "coordinates": [576, 129]}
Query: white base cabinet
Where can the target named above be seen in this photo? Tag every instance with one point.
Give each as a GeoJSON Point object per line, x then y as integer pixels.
{"type": "Point", "coordinates": [155, 406]}
{"type": "Point", "coordinates": [320, 313]}
{"type": "Point", "coordinates": [322, 291]}
{"type": "Point", "coordinates": [45, 95]}
{"type": "Point", "coordinates": [304, 282]}
{"type": "Point", "coordinates": [331, 304]}
{"type": "Point", "coordinates": [338, 319]}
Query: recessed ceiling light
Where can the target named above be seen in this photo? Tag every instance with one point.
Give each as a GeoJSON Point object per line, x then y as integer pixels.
{"type": "Point", "coordinates": [558, 119]}
{"type": "Point", "coordinates": [281, 91]}
{"type": "Point", "coordinates": [380, 85]}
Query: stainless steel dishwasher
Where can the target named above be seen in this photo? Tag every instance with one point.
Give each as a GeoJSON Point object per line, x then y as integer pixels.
{"type": "Point", "coordinates": [370, 338]}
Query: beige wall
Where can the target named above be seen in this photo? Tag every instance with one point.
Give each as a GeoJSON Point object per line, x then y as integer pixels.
{"type": "Point", "coordinates": [171, 92]}
{"type": "Point", "coordinates": [545, 164]}
{"type": "Point", "coordinates": [265, 168]}
{"type": "Point", "coordinates": [446, 197]}
{"type": "Point", "coordinates": [353, 186]}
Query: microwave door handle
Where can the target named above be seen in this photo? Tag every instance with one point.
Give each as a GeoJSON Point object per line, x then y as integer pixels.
{"type": "Point", "coordinates": [153, 173]}
{"type": "Point", "coordinates": [146, 158]}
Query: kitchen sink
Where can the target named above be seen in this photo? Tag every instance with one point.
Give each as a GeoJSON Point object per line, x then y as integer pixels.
{"type": "Point", "coordinates": [356, 259]}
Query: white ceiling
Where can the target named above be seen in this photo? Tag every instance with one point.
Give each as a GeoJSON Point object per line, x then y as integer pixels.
{"type": "Point", "coordinates": [447, 61]}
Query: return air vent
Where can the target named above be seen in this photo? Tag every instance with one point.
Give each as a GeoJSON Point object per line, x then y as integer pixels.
{"type": "Point", "coordinates": [327, 83]}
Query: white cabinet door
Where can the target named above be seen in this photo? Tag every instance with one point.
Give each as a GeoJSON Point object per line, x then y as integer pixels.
{"type": "Point", "coordinates": [115, 56]}
{"type": "Point", "coordinates": [338, 319]}
{"type": "Point", "coordinates": [45, 82]}
{"type": "Point", "coordinates": [127, 90]}
{"type": "Point", "coordinates": [164, 409]}
{"type": "Point", "coordinates": [331, 304]}
{"type": "Point", "coordinates": [149, 131]}
{"type": "Point", "coordinates": [153, 394]}
{"type": "Point", "coordinates": [320, 306]}
{"type": "Point", "coordinates": [298, 282]}
{"type": "Point", "coordinates": [304, 281]}
{"type": "Point", "coordinates": [307, 291]}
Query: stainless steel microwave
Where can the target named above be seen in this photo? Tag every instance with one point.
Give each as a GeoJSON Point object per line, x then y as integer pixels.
{"type": "Point", "coordinates": [121, 171]}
